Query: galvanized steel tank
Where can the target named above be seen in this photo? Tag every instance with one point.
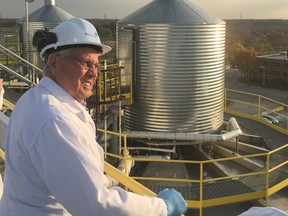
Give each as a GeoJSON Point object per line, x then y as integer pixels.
{"type": "Point", "coordinates": [177, 60]}
{"type": "Point", "coordinates": [48, 16]}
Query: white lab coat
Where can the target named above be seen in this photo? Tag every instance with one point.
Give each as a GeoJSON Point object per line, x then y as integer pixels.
{"type": "Point", "coordinates": [263, 211]}
{"type": "Point", "coordinates": [54, 166]}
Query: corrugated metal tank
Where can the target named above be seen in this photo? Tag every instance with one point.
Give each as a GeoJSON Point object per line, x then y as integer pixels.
{"type": "Point", "coordinates": [178, 53]}
{"type": "Point", "coordinates": [48, 16]}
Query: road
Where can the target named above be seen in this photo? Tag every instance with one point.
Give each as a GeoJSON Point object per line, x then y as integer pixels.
{"type": "Point", "coordinates": [231, 82]}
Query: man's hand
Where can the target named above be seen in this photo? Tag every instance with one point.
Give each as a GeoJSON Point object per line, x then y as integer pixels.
{"type": "Point", "coordinates": [174, 201]}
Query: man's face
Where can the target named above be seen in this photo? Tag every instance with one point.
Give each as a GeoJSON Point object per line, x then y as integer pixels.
{"type": "Point", "coordinates": [77, 72]}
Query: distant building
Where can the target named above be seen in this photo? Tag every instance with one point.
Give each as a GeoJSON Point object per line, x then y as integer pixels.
{"type": "Point", "coordinates": [272, 69]}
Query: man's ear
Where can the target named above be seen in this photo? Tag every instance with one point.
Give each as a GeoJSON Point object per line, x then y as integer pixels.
{"type": "Point", "coordinates": [52, 60]}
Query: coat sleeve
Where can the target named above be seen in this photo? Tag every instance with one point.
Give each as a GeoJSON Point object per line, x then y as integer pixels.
{"type": "Point", "coordinates": [263, 211]}
{"type": "Point", "coordinates": [64, 156]}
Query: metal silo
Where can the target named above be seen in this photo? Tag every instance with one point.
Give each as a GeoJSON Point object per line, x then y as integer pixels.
{"type": "Point", "coordinates": [48, 16]}
{"type": "Point", "coordinates": [176, 51]}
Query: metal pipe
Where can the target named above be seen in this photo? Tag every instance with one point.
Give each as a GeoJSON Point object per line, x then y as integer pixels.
{"type": "Point", "coordinates": [105, 106]}
{"type": "Point", "coordinates": [173, 143]}
{"type": "Point", "coordinates": [173, 150]}
{"type": "Point", "coordinates": [237, 146]}
{"type": "Point", "coordinates": [27, 29]}
{"type": "Point", "coordinates": [236, 131]}
{"type": "Point", "coordinates": [17, 75]}
{"type": "Point", "coordinates": [119, 108]}
{"type": "Point", "coordinates": [165, 157]}
{"type": "Point", "coordinates": [15, 56]}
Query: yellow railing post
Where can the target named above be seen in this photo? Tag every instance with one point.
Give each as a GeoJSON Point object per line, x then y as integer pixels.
{"type": "Point", "coordinates": [201, 189]}
{"type": "Point", "coordinates": [105, 143]}
{"type": "Point", "coordinates": [125, 155]}
{"type": "Point", "coordinates": [2, 154]}
{"type": "Point", "coordinates": [259, 106]}
{"type": "Point", "coordinates": [105, 106]}
{"type": "Point", "coordinates": [267, 179]}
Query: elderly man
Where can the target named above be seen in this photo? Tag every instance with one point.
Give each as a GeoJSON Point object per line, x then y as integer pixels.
{"type": "Point", "coordinates": [54, 166]}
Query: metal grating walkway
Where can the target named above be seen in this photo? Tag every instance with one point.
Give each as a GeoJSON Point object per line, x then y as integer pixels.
{"type": "Point", "coordinates": [224, 188]}
{"type": "Point", "coordinates": [210, 190]}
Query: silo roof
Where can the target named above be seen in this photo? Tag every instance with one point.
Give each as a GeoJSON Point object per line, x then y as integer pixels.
{"type": "Point", "coordinates": [49, 14]}
{"type": "Point", "coordinates": [171, 11]}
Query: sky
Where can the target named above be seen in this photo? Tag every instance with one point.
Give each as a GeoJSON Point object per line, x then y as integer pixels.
{"type": "Point", "coordinates": [111, 9]}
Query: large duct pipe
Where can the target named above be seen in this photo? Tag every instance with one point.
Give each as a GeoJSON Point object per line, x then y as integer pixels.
{"type": "Point", "coordinates": [233, 125]}
{"type": "Point", "coordinates": [122, 167]}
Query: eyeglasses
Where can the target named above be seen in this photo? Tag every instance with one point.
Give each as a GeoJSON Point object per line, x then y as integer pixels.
{"type": "Point", "coordinates": [85, 64]}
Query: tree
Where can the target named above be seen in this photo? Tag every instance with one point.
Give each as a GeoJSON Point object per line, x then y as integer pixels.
{"type": "Point", "coordinates": [244, 59]}
{"type": "Point", "coordinates": [105, 34]}
{"type": "Point", "coordinates": [279, 40]}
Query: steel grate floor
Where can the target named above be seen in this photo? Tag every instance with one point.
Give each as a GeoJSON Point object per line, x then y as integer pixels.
{"type": "Point", "coordinates": [210, 191]}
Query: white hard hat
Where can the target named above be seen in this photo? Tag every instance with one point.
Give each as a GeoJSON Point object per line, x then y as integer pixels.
{"type": "Point", "coordinates": [75, 31]}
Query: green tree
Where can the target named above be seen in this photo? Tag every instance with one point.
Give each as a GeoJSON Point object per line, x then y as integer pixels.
{"type": "Point", "coordinates": [105, 33]}
{"type": "Point", "coordinates": [244, 59]}
{"type": "Point", "coordinates": [279, 40]}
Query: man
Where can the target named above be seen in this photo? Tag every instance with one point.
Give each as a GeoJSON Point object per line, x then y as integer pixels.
{"type": "Point", "coordinates": [54, 166]}
{"type": "Point", "coordinates": [2, 91]}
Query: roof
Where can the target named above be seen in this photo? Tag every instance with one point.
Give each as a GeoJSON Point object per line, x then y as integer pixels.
{"type": "Point", "coordinates": [48, 13]}
{"type": "Point", "coordinates": [278, 56]}
{"type": "Point", "coordinates": [171, 11]}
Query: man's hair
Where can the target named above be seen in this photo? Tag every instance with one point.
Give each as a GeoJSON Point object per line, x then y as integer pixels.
{"type": "Point", "coordinates": [62, 53]}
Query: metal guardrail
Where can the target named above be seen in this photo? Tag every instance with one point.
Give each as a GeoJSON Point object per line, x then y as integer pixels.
{"type": "Point", "coordinates": [253, 106]}
{"type": "Point", "coordinates": [265, 174]}
{"type": "Point", "coordinates": [266, 190]}
{"type": "Point", "coordinates": [24, 79]}
{"type": "Point", "coordinates": [14, 58]}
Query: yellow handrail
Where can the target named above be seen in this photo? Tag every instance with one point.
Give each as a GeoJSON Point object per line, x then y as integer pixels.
{"type": "Point", "coordinates": [2, 154]}
{"type": "Point", "coordinates": [263, 104]}
{"type": "Point", "coordinates": [8, 104]}
{"type": "Point", "coordinates": [123, 179]}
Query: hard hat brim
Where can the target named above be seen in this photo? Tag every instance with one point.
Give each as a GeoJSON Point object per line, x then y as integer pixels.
{"type": "Point", "coordinates": [54, 48]}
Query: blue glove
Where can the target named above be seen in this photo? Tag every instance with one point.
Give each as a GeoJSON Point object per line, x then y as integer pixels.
{"type": "Point", "coordinates": [174, 201]}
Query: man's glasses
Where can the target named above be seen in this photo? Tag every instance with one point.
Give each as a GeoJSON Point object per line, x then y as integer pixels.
{"type": "Point", "coordinates": [85, 64]}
